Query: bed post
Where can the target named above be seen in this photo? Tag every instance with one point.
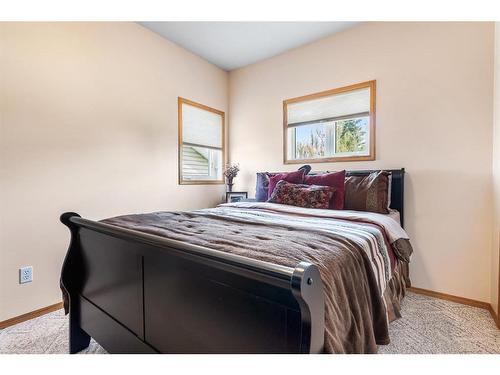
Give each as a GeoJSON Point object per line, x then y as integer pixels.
{"type": "Point", "coordinates": [307, 288]}
{"type": "Point", "coordinates": [70, 277]}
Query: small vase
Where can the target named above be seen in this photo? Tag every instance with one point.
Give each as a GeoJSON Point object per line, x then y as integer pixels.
{"type": "Point", "coordinates": [229, 184]}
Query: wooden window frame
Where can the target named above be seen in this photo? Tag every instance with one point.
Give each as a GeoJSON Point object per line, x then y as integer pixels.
{"type": "Point", "coordinates": [371, 156]}
{"type": "Point", "coordinates": [180, 102]}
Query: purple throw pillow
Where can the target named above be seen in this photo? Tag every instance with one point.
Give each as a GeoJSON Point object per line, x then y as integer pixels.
{"type": "Point", "coordinates": [262, 183]}
{"type": "Point", "coordinates": [333, 179]}
{"type": "Point", "coordinates": [296, 177]}
{"type": "Point", "coordinates": [309, 196]}
{"type": "Point", "coordinates": [262, 186]}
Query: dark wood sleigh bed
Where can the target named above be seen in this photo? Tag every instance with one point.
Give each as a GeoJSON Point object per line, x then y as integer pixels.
{"type": "Point", "coordinates": [135, 292]}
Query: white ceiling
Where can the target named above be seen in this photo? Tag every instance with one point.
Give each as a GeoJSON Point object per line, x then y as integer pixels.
{"type": "Point", "coordinates": [232, 45]}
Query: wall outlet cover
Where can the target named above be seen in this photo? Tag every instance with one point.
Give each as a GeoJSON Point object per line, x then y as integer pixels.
{"type": "Point", "coordinates": [25, 275]}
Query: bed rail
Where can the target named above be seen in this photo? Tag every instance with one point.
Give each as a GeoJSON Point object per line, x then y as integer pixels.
{"type": "Point", "coordinates": [135, 292]}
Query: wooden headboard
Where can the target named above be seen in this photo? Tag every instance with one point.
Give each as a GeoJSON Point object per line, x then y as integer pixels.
{"type": "Point", "coordinates": [397, 188]}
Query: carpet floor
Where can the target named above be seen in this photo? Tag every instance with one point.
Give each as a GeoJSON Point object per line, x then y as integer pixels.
{"type": "Point", "coordinates": [428, 326]}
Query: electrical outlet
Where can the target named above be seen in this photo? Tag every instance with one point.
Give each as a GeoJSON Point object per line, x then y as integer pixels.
{"type": "Point", "coordinates": [25, 275]}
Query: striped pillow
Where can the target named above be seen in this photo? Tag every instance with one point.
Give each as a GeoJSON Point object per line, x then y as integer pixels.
{"type": "Point", "coordinates": [368, 192]}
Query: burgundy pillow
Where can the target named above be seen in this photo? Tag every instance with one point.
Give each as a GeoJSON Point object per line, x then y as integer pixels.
{"type": "Point", "coordinates": [309, 196]}
{"type": "Point", "coordinates": [334, 179]}
{"type": "Point", "coordinates": [296, 177]}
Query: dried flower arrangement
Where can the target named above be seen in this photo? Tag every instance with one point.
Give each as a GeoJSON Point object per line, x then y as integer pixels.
{"type": "Point", "coordinates": [230, 172]}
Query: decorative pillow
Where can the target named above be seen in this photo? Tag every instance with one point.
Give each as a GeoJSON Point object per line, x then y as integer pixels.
{"type": "Point", "coordinates": [262, 184]}
{"type": "Point", "coordinates": [368, 192]}
{"type": "Point", "coordinates": [335, 180]}
{"type": "Point", "coordinates": [389, 194]}
{"type": "Point", "coordinates": [296, 177]}
{"type": "Point", "coordinates": [310, 196]}
{"type": "Point", "coordinates": [306, 168]}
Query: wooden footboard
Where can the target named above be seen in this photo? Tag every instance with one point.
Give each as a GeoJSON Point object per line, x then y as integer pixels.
{"type": "Point", "coordinates": [138, 293]}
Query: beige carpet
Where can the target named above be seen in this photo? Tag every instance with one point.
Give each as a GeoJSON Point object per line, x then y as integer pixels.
{"type": "Point", "coordinates": [428, 326]}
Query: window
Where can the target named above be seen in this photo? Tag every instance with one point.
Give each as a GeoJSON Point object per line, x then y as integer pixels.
{"type": "Point", "coordinates": [334, 125]}
{"type": "Point", "coordinates": [201, 143]}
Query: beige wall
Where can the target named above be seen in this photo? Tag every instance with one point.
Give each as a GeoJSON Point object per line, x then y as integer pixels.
{"type": "Point", "coordinates": [88, 124]}
{"type": "Point", "coordinates": [434, 117]}
{"type": "Point", "coordinates": [495, 264]}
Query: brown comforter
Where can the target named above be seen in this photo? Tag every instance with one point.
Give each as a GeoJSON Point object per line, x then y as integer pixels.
{"type": "Point", "coordinates": [362, 285]}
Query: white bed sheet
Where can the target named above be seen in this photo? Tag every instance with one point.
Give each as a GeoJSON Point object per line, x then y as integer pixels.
{"type": "Point", "coordinates": [389, 221]}
{"type": "Point", "coordinates": [394, 214]}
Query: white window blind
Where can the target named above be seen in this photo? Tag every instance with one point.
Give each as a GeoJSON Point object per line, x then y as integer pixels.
{"type": "Point", "coordinates": [202, 148]}
{"type": "Point", "coordinates": [330, 108]}
{"type": "Point", "coordinates": [201, 127]}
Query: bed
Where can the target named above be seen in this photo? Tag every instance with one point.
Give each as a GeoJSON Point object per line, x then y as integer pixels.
{"type": "Point", "coordinates": [245, 277]}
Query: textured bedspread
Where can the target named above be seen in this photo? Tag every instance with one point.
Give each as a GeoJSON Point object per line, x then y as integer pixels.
{"type": "Point", "coordinates": [352, 251]}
